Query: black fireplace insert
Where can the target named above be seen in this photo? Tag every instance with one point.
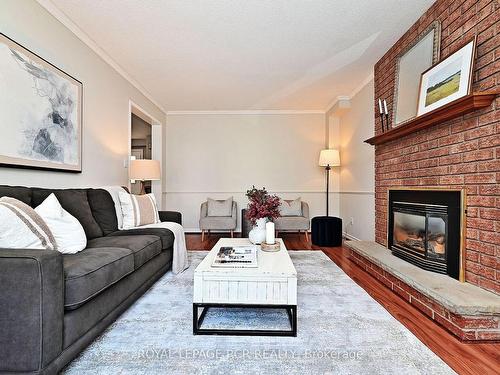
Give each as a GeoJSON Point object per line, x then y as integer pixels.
{"type": "Point", "coordinates": [425, 228]}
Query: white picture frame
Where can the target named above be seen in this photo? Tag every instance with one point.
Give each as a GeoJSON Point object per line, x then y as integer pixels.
{"type": "Point", "coordinates": [448, 80]}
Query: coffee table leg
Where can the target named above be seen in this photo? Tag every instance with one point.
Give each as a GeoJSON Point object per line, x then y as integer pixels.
{"type": "Point", "coordinates": [198, 321]}
{"type": "Point", "coordinates": [293, 322]}
{"type": "Point", "coordinates": [195, 319]}
{"type": "Point", "coordinates": [291, 311]}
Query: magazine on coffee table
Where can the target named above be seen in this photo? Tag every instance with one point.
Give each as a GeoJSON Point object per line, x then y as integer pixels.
{"type": "Point", "coordinates": [236, 257]}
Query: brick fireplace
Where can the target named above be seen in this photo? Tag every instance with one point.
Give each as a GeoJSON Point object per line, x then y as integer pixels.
{"type": "Point", "coordinates": [463, 153]}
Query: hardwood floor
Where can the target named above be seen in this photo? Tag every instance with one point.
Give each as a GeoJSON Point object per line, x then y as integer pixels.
{"type": "Point", "coordinates": [464, 358]}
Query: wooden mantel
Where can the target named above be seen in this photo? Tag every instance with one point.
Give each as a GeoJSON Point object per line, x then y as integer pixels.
{"type": "Point", "coordinates": [447, 112]}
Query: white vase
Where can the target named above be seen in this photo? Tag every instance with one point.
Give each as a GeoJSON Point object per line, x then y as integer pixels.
{"type": "Point", "coordinates": [258, 233]}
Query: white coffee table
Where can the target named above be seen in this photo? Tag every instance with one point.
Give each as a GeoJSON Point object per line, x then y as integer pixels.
{"type": "Point", "coordinates": [272, 285]}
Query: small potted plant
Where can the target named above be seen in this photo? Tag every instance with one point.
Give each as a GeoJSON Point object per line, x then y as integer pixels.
{"type": "Point", "coordinates": [262, 207]}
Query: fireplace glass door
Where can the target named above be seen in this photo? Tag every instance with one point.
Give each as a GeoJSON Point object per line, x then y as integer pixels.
{"type": "Point", "coordinates": [436, 237]}
{"type": "Point", "coordinates": [419, 234]}
{"type": "Point", "coordinates": [409, 231]}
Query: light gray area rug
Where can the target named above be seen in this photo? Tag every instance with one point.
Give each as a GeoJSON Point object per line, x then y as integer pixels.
{"type": "Point", "coordinates": [341, 330]}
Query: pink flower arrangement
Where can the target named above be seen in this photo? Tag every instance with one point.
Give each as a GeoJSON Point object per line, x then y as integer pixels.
{"type": "Point", "coordinates": [262, 205]}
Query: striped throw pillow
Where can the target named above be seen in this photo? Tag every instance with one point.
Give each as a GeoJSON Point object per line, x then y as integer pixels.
{"type": "Point", "coordinates": [22, 228]}
{"type": "Point", "coordinates": [138, 210]}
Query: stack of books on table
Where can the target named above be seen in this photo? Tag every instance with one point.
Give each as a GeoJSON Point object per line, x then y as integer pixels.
{"type": "Point", "coordinates": [236, 257]}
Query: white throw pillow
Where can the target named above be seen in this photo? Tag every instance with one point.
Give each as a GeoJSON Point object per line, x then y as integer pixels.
{"type": "Point", "coordinates": [291, 207]}
{"type": "Point", "coordinates": [68, 232]}
{"type": "Point", "coordinates": [220, 207]}
{"type": "Point", "coordinates": [138, 210]}
{"type": "Point", "coordinates": [114, 192]}
{"type": "Point", "coordinates": [22, 228]}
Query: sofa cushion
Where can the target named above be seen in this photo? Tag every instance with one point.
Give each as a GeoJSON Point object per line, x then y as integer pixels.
{"type": "Point", "coordinates": [103, 209]}
{"type": "Point", "coordinates": [74, 201]}
{"type": "Point", "coordinates": [143, 247]}
{"type": "Point", "coordinates": [166, 235]}
{"type": "Point", "coordinates": [215, 223]}
{"type": "Point", "coordinates": [18, 192]}
{"type": "Point", "coordinates": [89, 272]}
{"type": "Point", "coordinates": [291, 223]}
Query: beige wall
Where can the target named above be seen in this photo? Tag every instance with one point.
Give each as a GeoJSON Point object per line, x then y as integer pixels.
{"type": "Point", "coordinates": [357, 190]}
{"type": "Point", "coordinates": [222, 155]}
{"type": "Point", "coordinates": [106, 97]}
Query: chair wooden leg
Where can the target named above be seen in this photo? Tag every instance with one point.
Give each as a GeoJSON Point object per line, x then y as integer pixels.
{"type": "Point", "coordinates": [277, 234]}
{"type": "Point", "coordinates": [208, 233]}
{"type": "Point", "coordinates": [232, 233]}
{"type": "Point", "coordinates": [202, 235]}
{"type": "Point", "coordinates": [307, 236]}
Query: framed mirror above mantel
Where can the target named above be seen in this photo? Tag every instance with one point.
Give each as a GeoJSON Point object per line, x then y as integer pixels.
{"type": "Point", "coordinates": [417, 57]}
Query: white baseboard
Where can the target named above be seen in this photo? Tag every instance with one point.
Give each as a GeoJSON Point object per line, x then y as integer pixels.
{"type": "Point", "coordinates": [349, 236]}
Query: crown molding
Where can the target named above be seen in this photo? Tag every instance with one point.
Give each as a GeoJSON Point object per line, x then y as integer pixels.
{"type": "Point", "coordinates": [366, 81]}
{"type": "Point", "coordinates": [352, 95]}
{"type": "Point", "coordinates": [332, 104]}
{"type": "Point", "coordinates": [80, 34]}
{"type": "Point", "coordinates": [248, 112]}
{"type": "Point", "coordinates": [337, 100]}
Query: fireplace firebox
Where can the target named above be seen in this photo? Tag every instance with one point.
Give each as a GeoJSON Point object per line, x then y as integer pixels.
{"type": "Point", "coordinates": [426, 228]}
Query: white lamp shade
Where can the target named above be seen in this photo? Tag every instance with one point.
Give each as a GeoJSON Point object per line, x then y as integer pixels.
{"type": "Point", "coordinates": [329, 158]}
{"type": "Point", "coordinates": [145, 169]}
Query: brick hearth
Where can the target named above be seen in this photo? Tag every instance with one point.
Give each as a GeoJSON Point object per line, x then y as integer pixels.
{"type": "Point", "coordinates": [459, 153]}
{"type": "Point", "coordinates": [468, 312]}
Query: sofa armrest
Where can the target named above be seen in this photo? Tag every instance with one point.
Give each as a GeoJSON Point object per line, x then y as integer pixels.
{"type": "Point", "coordinates": [234, 214]}
{"type": "Point", "coordinates": [203, 210]}
{"type": "Point", "coordinates": [31, 309]}
{"type": "Point", "coordinates": [174, 216]}
{"type": "Point", "coordinates": [305, 210]}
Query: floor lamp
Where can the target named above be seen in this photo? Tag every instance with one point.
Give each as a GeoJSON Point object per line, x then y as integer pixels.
{"type": "Point", "coordinates": [328, 159]}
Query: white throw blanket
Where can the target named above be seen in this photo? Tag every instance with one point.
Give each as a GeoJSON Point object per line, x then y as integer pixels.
{"type": "Point", "coordinates": [180, 258]}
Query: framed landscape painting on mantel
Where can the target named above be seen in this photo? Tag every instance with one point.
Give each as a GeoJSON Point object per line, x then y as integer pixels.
{"type": "Point", "coordinates": [448, 80]}
{"type": "Point", "coordinates": [40, 112]}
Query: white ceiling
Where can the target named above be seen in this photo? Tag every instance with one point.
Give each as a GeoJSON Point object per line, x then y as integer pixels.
{"type": "Point", "coordinates": [245, 54]}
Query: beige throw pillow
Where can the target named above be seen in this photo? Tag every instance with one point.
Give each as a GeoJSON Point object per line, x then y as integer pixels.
{"type": "Point", "coordinates": [22, 228]}
{"type": "Point", "coordinates": [138, 210]}
{"type": "Point", "coordinates": [219, 207]}
{"type": "Point", "coordinates": [291, 207]}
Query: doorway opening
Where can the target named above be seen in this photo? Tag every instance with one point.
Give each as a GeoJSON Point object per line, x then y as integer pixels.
{"type": "Point", "coordinates": [145, 142]}
{"type": "Point", "coordinates": [140, 142]}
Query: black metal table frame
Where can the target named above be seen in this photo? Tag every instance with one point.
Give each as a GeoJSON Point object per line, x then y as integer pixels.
{"type": "Point", "coordinates": [198, 321]}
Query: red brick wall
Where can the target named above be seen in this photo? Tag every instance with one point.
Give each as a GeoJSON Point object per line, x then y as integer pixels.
{"type": "Point", "coordinates": [464, 152]}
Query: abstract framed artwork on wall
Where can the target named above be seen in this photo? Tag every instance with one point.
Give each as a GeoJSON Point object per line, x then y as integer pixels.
{"type": "Point", "coordinates": [40, 111]}
{"type": "Point", "coordinates": [448, 80]}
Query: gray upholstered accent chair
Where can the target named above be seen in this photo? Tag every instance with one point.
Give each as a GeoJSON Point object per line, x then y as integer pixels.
{"type": "Point", "coordinates": [294, 223]}
{"type": "Point", "coordinates": [208, 223]}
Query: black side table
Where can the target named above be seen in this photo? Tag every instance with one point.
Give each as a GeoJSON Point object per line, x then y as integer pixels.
{"type": "Point", "coordinates": [246, 227]}
{"type": "Point", "coordinates": [326, 231]}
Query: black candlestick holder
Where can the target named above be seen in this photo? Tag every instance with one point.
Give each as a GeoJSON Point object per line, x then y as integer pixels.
{"type": "Point", "coordinates": [382, 122]}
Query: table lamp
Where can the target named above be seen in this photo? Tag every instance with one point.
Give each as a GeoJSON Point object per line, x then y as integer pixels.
{"type": "Point", "coordinates": [328, 158]}
{"type": "Point", "coordinates": [144, 170]}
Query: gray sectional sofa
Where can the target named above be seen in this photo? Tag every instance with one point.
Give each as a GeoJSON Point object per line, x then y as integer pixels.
{"type": "Point", "coordinates": [53, 305]}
